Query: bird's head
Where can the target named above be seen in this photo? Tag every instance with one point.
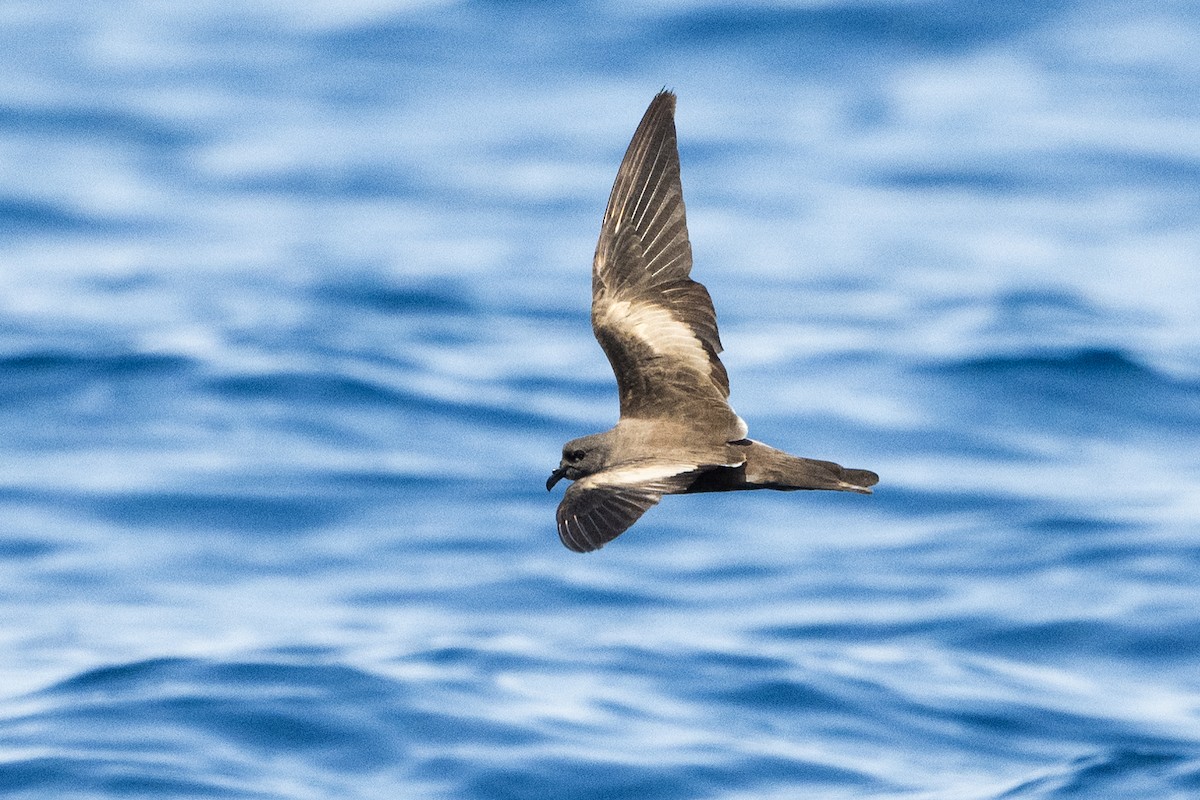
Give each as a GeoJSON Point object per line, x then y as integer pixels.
{"type": "Point", "coordinates": [581, 457]}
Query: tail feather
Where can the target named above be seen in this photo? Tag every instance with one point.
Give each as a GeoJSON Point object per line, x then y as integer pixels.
{"type": "Point", "coordinates": [858, 480]}
{"type": "Point", "coordinates": [769, 468]}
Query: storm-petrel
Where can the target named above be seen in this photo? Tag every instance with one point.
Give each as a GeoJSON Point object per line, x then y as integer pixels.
{"type": "Point", "coordinates": [677, 433]}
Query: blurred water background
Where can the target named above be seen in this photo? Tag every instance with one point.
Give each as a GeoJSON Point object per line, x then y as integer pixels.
{"type": "Point", "coordinates": [294, 321]}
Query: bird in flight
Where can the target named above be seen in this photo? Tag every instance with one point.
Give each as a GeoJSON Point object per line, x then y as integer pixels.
{"type": "Point", "coordinates": [677, 433]}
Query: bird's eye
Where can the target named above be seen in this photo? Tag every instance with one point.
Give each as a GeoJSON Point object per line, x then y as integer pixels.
{"type": "Point", "coordinates": [575, 455]}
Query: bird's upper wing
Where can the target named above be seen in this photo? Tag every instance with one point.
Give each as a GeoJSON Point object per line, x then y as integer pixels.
{"type": "Point", "coordinates": [656, 325]}
{"type": "Point", "coordinates": [599, 508]}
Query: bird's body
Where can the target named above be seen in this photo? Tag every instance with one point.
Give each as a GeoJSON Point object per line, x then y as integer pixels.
{"type": "Point", "coordinates": [677, 433]}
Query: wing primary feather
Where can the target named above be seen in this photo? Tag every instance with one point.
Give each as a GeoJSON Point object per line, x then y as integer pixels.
{"type": "Point", "coordinates": [568, 534]}
{"type": "Point", "coordinates": [653, 181]}
{"type": "Point", "coordinates": [586, 530]}
{"type": "Point", "coordinates": [572, 530]}
{"type": "Point", "coordinates": [603, 516]}
{"type": "Point", "coordinates": [649, 246]}
{"type": "Point", "coordinates": [656, 272]}
{"type": "Point", "coordinates": [625, 211]}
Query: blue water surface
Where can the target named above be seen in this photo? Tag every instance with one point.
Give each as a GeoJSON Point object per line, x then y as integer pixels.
{"type": "Point", "coordinates": [294, 321]}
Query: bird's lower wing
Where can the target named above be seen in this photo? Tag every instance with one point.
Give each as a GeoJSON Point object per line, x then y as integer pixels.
{"type": "Point", "coordinates": [599, 508]}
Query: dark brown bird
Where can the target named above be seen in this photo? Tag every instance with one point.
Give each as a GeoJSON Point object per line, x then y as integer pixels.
{"type": "Point", "coordinates": [677, 433]}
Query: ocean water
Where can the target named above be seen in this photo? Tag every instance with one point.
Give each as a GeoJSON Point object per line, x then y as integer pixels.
{"type": "Point", "coordinates": [294, 321]}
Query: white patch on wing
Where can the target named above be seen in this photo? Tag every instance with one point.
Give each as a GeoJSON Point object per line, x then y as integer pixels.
{"type": "Point", "coordinates": [637, 475]}
{"type": "Point", "coordinates": [657, 326]}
